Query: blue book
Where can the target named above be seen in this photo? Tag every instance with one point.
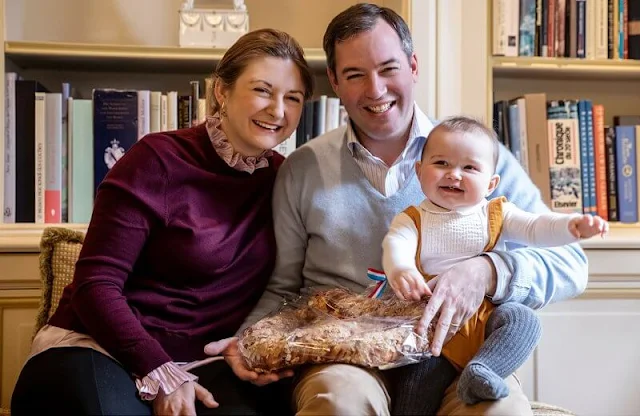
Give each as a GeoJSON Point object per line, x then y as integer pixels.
{"type": "Point", "coordinates": [115, 128]}
{"type": "Point", "coordinates": [626, 174]}
{"type": "Point", "coordinates": [591, 161]}
{"type": "Point", "coordinates": [527, 28]}
{"type": "Point", "coordinates": [514, 131]}
{"type": "Point", "coordinates": [584, 154]}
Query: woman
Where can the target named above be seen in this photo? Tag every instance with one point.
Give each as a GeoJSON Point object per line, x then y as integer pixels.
{"type": "Point", "coordinates": [178, 251]}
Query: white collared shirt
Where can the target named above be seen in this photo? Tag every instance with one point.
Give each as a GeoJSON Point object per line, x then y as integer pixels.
{"type": "Point", "coordinates": [389, 179]}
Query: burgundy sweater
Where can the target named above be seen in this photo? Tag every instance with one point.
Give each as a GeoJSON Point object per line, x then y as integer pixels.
{"type": "Point", "coordinates": [179, 249]}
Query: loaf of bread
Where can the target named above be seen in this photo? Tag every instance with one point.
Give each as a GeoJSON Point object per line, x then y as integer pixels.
{"type": "Point", "coordinates": [337, 326]}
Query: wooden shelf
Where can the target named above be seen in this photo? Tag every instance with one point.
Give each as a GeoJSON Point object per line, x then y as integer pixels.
{"type": "Point", "coordinates": [26, 237]}
{"type": "Point", "coordinates": [125, 58]}
{"type": "Point", "coordinates": [565, 68]}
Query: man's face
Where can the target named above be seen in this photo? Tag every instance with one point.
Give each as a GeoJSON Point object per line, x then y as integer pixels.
{"type": "Point", "coordinates": [374, 79]}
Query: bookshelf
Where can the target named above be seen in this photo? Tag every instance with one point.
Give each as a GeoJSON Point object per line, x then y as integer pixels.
{"type": "Point", "coordinates": [606, 314]}
{"type": "Point", "coordinates": [114, 44]}
{"type": "Point", "coordinates": [124, 58]}
{"type": "Point", "coordinates": [563, 68]}
{"type": "Point", "coordinates": [614, 83]}
{"type": "Point", "coordinates": [85, 54]}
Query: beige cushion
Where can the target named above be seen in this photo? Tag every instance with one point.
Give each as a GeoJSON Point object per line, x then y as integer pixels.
{"type": "Point", "coordinates": [59, 251]}
{"type": "Point", "coordinates": [543, 409]}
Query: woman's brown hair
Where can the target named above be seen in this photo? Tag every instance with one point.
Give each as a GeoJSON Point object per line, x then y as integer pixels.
{"type": "Point", "coordinates": [258, 44]}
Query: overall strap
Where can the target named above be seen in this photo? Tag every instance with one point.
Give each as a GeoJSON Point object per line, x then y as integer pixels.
{"type": "Point", "coordinates": [495, 218]}
{"type": "Point", "coordinates": [414, 214]}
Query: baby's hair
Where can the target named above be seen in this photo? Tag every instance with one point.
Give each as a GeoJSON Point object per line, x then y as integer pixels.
{"type": "Point", "coordinates": [464, 124]}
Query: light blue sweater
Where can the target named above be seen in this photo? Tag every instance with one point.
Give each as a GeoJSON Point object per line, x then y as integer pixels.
{"type": "Point", "coordinates": [330, 222]}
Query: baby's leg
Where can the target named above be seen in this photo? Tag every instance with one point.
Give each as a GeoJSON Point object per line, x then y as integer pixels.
{"type": "Point", "coordinates": [418, 389]}
{"type": "Point", "coordinates": [512, 333]}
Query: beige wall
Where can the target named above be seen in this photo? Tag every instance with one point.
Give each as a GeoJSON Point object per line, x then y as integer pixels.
{"type": "Point", "coordinates": [155, 22]}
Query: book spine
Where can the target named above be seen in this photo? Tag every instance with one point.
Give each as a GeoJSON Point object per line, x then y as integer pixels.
{"type": "Point", "coordinates": [115, 128]}
{"type": "Point", "coordinates": [9, 208]}
{"type": "Point", "coordinates": [626, 173]}
{"type": "Point", "coordinates": [600, 162]}
{"type": "Point", "coordinates": [584, 154]}
{"type": "Point", "coordinates": [40, 135]}
{"type": "Point", "coordinates": [564, 165]}
{"type": "Point", "coordinates": [591, 163]}
{"type": "Point", "coordinates": [53, 159]}
{"type": "Point", "coordinates": [612, 182]}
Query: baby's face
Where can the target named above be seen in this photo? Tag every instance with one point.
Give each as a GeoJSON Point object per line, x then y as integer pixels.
{"type": "Point", "coordinates": [457, 169]}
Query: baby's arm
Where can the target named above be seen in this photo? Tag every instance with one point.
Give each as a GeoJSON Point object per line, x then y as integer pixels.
{"type": "Point", "coordinates": [548, 229]}
{"type": "Point", "coordinates": [399, 259]}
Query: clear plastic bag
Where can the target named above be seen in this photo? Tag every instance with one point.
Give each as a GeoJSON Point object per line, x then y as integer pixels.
{"type": "Point", "coordinates": [337, 326]}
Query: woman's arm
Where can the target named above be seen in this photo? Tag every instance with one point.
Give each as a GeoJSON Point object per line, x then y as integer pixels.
{"type": "Point", "coordinates": [129, 203]}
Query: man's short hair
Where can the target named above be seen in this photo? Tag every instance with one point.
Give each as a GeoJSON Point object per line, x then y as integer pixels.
{"type": "Point", "coordinates": [363, 17]}
{"type": "Point", "coordinates": [464, 124]}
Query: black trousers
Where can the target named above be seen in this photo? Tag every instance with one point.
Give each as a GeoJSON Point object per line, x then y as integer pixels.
{"type": "Point", "coordinates": [81, 381]}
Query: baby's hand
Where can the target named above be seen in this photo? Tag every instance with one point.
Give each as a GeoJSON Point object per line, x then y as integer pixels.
{"type": "Point", "coordinates": [409, 284]}
{"type": "Point", "coordinates": [587, 226]}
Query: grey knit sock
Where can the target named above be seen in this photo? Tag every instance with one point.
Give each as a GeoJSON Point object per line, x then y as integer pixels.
{"type": "Point", "coordinates": [513, 331]}
{"type": "Point", "coordinates": [418, 389]}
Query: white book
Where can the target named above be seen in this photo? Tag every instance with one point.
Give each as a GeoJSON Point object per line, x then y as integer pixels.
{"type": "Point", "coordinates": [155, 122]}
{"type": "Point", "coordinates": [333, 114]}
{"type": "Point", "coordinates": [202, 110]}
{"type": "Point", "coordinates": [602, 29]}
{"type": "Point", "coordinates": [53, 159]}
{"type": "Point", "coordinates": [288, 146]}
{"type": "Point", "coordinates": [144, 111]}
{"type": "Point", "coordinates": [322, 115]}
{"type": "Point", "coordinates": [590, 35]}
{"type": "Point", "coordinates": [40, 136]}
{"type": "Point", "coordinates": [512, 21]}
{"type": "Point", "coordinates": [499, 42]}
{"type": "Point", "coordinates": [163, 112]}
{"type": "Point", "coordinates": [172, 110]}
{"type": "Point", "coordinates": [9, 204]}
{"type": "Point", "coordinates": [524, 143]}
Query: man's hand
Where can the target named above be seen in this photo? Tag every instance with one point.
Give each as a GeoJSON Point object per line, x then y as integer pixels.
{"type": "Point", "coordinates": [182, 400]}
{"type": "Point", "coordinates": [229, 348]}
{"type": "Point", "coordinates": [457, 295]}
{"type": "Point", "coordinates": [408, 284]}
{"type": "Point", "coordinates": [588, 226]}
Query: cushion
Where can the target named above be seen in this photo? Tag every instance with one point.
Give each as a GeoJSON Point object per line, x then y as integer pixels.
{"type": "Point", "coordinates": [59, 252]}
{"type": "Point", "coordinates": [543, 409]}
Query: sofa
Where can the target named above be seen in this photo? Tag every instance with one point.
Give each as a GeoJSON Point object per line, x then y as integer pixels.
{"type": "Point", "coordinates": [59, 251]}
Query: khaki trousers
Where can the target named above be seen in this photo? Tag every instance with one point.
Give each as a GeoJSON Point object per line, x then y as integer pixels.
{"type": "Point", "coordinates": [342, 389]}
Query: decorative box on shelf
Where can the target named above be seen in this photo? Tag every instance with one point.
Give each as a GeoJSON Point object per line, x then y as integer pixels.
{"type": "Point", "coordinates": [206, 27]}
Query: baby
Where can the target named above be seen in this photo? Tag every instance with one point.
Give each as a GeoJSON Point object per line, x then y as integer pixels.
{"type": "Point", "coordinates": [456, 222]}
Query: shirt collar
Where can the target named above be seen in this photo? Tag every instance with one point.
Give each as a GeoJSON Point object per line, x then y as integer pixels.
{"type": "Point", "coordinates": [420, 128]}
{"type": "Point", "coordinates": [435, 209]}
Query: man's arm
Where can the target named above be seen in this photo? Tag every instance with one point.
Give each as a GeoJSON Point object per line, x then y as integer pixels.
{"type": "Point", "coordinates": [291, 241]}
{"type": "Point", "coordinates": [533, 276]}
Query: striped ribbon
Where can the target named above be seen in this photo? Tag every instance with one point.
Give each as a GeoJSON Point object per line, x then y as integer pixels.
{"type": "Point", "coordinates": [381, 279]}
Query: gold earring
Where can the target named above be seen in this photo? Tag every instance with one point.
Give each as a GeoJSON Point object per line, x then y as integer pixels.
{"type": "Point", "coordinates": [223, 110]}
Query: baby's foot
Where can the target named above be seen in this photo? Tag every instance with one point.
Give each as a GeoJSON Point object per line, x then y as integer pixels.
{"type": "Point", "coordinates": [478, 383]}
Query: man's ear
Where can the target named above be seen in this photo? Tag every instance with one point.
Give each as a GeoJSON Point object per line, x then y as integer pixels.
{"type": "Point", "coordinates": [332, 79]}
{"type": "Point", "coordinates": [413, 62]}
{"type": "Point", "coordinates": [493, 184]}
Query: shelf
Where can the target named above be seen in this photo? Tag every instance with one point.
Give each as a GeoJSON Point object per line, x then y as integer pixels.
{"type": "Point", "coordinates": [563, 68]}
{"type": "Point", "coordinates": [25, 238]}
{"type": "Point", "coordinates": [125, 58]}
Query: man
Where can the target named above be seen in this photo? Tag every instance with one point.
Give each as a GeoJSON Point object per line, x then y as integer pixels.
{"type": "Point", "coordinates": [335, 197]}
